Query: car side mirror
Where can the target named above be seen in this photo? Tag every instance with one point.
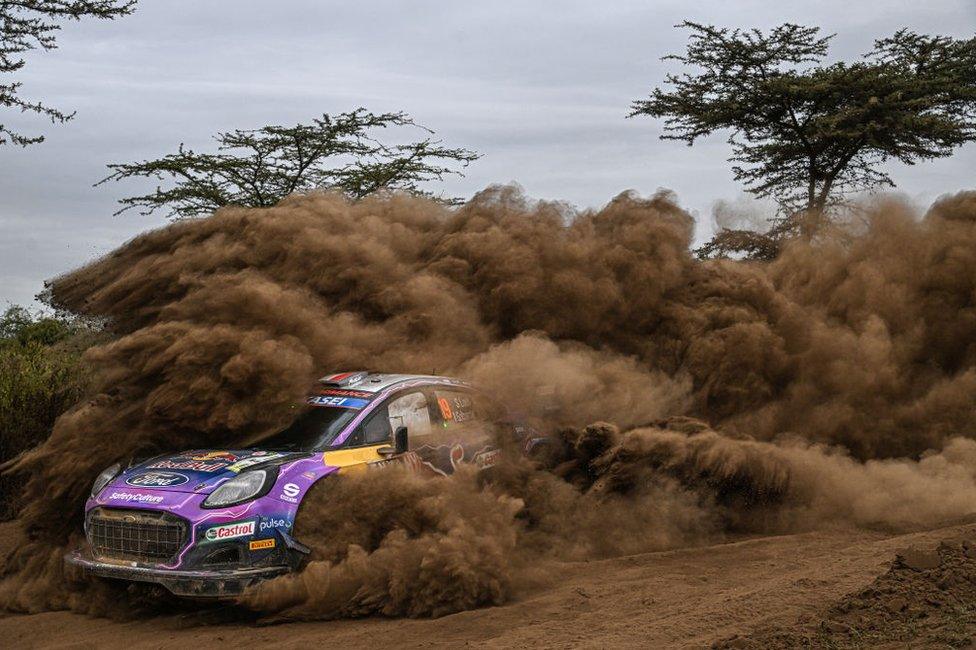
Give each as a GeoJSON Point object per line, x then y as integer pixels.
{"type": "Point", "coordinates": [400, 440]}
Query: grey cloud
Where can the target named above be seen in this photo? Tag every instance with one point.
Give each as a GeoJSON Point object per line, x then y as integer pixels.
{"type": "Point", "coordinates": [541, 88]}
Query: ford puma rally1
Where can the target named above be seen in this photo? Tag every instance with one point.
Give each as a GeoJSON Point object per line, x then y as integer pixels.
{"type": "Point", "coordinates": [209, 523]}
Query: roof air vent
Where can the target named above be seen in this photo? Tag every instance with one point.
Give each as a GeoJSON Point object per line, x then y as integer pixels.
{"type": "Point", "coordinates": [344, 378]}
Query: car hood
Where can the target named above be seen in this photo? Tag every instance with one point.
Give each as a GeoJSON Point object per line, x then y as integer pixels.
{"type": "Point", "coordinates": [198, 471]}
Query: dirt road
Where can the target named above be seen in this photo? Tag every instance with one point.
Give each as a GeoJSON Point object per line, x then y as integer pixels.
{"type": "Point", "coordinates": [686, 598]}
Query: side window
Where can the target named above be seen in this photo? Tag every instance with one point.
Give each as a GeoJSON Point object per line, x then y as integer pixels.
{"type": "Point", "coordinates": [356, 438]}
{"type": "Point", "coordinates": [408, 410]}
{"type": "Point", "coordinates": [376, 429]}
{"type": "Point", "coordinates": [412, 411]}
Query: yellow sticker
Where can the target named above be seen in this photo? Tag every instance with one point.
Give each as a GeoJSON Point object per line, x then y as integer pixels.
{"type": "Point", "coordinates": [259, 544]}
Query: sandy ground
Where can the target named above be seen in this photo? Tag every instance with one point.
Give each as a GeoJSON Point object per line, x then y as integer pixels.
{"type": "Point", "coordinates": [687, 598]}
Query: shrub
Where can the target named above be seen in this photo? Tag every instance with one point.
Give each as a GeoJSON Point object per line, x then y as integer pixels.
{"type": "Point", "coordinates": [41, 376]}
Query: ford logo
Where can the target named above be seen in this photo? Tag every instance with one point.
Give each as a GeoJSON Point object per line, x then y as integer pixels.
{"type": "Point", "coordinates": [157, 479]}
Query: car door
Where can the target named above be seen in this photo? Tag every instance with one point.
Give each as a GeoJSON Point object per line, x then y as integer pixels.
{"type": "Point", "coordinates": [462, 429]}
{"type": "Point", "coordinates": [411, 410]}
{"type": "Point", "coordinates": [407, 408]}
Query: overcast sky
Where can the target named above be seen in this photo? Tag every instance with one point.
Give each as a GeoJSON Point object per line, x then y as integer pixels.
{"type": "Point", "coordinates": [540, 88]}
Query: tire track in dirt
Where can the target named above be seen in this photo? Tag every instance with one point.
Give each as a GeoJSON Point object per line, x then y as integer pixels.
{"type": "Point", "coordinates": [684, 598]}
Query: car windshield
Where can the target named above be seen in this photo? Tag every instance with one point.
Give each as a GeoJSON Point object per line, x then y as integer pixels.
{"type": "Point", "coordinates": [314, 429]}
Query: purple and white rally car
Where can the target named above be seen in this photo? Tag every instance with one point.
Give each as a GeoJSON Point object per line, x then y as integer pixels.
{"type": "Point", "coordinates": [211, 522]}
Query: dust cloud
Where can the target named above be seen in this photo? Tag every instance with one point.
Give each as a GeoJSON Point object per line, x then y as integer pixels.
{"type": "Point", "coordinates": [686, 401]}
{"type": "Point", "coordinates": [396, 544]}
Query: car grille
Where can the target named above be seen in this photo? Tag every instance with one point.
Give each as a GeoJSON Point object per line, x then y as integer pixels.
{"type": "Point", "coordinates": [136, 535]}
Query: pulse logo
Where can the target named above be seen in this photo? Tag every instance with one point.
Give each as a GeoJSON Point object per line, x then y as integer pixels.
{"type": "Point", "coordinates": [271, 523]}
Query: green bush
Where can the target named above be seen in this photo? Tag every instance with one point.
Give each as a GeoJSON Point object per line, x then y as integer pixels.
{"type": "Point", "coordinates": [41, 376]}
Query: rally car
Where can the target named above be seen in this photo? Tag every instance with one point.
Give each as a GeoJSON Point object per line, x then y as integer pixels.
{"type": "Point", "coordinates": [209, 523]}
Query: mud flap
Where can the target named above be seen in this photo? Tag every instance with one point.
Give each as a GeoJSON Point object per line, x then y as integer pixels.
{"type": "Point", "coordinates": [296, 552]}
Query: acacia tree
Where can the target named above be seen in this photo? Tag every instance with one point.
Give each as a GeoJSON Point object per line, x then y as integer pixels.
{"type": "Point", "coordinates": [807, 134]}
{"type": "Point", "coordinates": [29, 25]}
{"type": "Point", "coordinates": [259, 167]}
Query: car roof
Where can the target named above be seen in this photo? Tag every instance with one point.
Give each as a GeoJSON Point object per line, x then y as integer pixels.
{"type": "Point", "coordinates": [375, 382]}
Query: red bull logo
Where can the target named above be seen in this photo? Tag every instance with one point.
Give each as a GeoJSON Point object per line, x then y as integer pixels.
{"type": "Point", "coordinates": [215, 455]}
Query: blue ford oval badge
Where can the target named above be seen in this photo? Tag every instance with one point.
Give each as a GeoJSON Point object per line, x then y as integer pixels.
{"type": "Point", "coordinates": [157, 479]}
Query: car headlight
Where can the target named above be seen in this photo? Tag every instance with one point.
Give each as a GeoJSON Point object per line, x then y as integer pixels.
{"type": "Point", "coordinates": [103, 479]}
{"type": "Point", "coordinates": [241, 488]}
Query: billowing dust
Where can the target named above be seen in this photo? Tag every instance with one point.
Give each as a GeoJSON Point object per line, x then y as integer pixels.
{"type": "Point", "coordinates": [687, 401]}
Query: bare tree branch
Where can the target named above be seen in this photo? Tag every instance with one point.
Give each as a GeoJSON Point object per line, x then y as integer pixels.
{"type": "Point", "coordinates": [27, 25]}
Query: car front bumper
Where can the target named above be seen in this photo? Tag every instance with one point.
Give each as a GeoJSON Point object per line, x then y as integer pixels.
{"type": "Point", "coordinates": [217, 583]}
